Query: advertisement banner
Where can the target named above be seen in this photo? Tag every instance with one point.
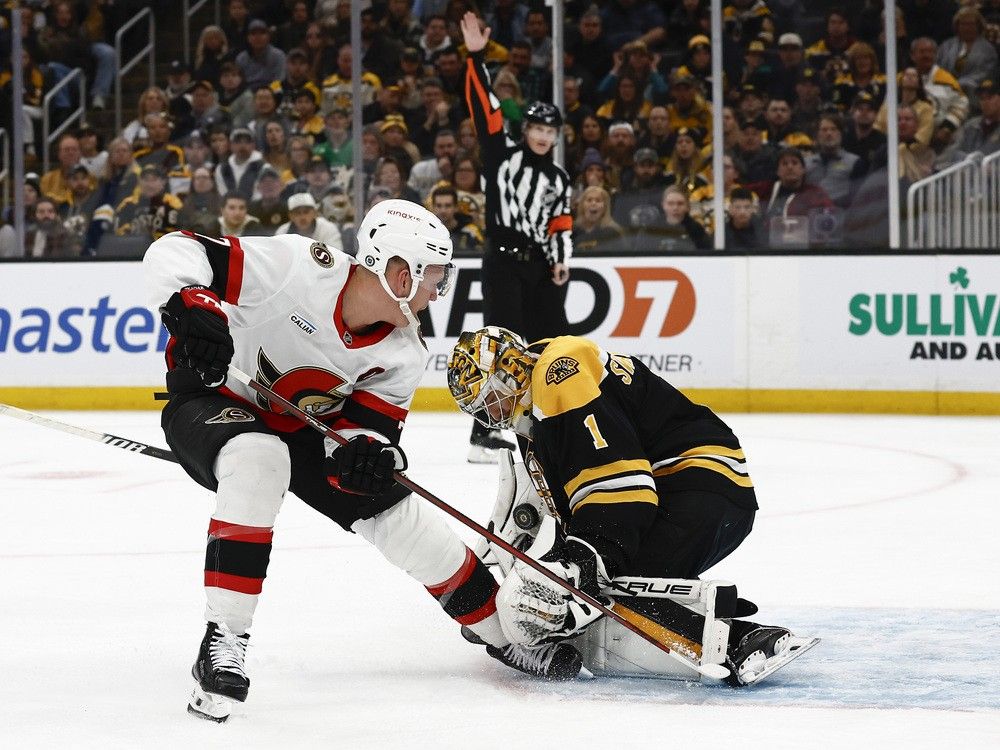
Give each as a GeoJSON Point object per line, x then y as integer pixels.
{"type": "Point", "coordinates": [88, 324]}
{"type": "Point", "coordinates": [806, 330]}
{"type": "Point", "coordinates": [684, 317]}
{"type": "Point", "coordinates": [78, 324]}
{"type": "Point", "coordinates": [920, 323]}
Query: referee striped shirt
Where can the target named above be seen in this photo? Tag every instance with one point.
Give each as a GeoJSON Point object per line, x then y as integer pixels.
{"type": "Point", "coordinates": [527, 195]}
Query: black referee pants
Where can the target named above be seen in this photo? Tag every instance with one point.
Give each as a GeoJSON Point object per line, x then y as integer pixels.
{"type": "Point", "coordinates": [520, 295]}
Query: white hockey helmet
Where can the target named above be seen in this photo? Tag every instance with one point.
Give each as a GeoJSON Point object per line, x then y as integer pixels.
{"type": "Point", "coordinates": [401, 228]}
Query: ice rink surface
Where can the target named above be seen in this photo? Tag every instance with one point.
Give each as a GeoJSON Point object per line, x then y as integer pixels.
{"type": "Point", "coordinates": [878, 534]}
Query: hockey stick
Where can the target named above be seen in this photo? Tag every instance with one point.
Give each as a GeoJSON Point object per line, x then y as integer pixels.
{"type": "Point", "coordinates": [715, 671]}
{"type": "Point", "coordinates": [101, 437]}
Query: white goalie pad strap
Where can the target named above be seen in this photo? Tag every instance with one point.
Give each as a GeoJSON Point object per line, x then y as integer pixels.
{"type": "Point", "coordinates": [683, 590]}
{"type": "Point", "coordinates": [517, 513]}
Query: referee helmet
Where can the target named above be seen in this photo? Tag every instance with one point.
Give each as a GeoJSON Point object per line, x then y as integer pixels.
{"type": "Point", "coordinates": [543, 113]}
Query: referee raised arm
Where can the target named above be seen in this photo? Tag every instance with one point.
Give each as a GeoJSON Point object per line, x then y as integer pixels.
{"type": "Point", "coordinates": [528, 221]}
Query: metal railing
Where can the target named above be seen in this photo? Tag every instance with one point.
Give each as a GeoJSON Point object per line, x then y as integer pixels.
{"type": "Point", "coordinates": [122, 69]}
{"type": "Point", "coordinates": [189, 11]}
{"type": "Point", "coordinates": [946, 209]}
{"type": "Point", "coordinates": [991, 197]}
{"type": "Point", "coordinates": [49, 136]}
{"type": "Point", "coordinates": [5, 166]}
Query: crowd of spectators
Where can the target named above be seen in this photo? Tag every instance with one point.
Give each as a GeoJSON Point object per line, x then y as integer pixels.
{"type": "Point", "coordinates": [253, 134]}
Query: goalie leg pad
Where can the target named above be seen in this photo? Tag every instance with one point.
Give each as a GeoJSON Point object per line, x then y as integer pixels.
{"type": "Point", "coordinates": [253, 472]}
{"type": "Point", "coordinates": [688, 622]}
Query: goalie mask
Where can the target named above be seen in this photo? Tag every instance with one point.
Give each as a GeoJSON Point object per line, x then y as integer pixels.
{"type": "Point", "coordinates": [489, 376]}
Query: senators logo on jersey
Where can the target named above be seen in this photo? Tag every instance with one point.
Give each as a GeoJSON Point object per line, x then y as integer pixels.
{"type": "Point", "coordinates": [321, 254]}
{"type": "Point", "coordinates": [561, 369]}
{"type": "Point", "coordinates": [231, 414]}
{"type": "Point", "coordinates": [311, 389]}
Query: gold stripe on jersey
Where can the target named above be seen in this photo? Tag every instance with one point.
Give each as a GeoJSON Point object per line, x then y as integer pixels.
{"type": "Point", "coordinates": [675, 641]}
{"type": "Point", "coordinates": [606, 471]}
{"type": "Point", "coordinates": [567, 375]}
{"type": "Point", "coordinates": [715, 450]}
{"type": "Point", "coordinates": [728, 462]}
{"type": "Point", "coordinates": [609, 497]}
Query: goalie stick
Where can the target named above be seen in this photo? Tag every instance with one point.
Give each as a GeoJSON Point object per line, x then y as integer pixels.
{"type": "Point", "coordinates": [715, 671]}
{"type": "Point", "coordinates": [133, 446]}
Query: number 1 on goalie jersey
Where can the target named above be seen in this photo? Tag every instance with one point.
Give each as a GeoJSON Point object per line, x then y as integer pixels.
{"type": "Point", "coordinates": [590, 422]}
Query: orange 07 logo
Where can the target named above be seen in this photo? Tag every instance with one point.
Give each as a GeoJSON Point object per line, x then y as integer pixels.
{"type": "Point", "coordinates": [666, 291]}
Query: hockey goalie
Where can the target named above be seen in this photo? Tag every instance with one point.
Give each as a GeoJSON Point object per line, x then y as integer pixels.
{"type": "Point", "coordinates": [628, 491]}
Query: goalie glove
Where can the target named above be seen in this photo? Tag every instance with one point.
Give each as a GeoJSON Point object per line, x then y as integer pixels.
{"type": "Point", "coordinates": [534, 610]}
{"type": "Point", "coordinates": [517, 514]}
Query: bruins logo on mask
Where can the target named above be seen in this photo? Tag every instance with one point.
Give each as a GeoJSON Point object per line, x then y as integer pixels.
{"type": "Point", "coordinates": [559, 370]}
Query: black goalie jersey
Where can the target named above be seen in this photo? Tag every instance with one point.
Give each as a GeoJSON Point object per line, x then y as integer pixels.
{"type": "Point", "coordinates": [614, 441]}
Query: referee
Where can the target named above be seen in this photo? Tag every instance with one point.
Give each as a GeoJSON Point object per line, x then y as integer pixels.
{"type": "Point", "coordinates": [528, 221]}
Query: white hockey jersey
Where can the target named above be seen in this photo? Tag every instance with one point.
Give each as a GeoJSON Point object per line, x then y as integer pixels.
{"type": "Point", "coordinates": [283, 296]}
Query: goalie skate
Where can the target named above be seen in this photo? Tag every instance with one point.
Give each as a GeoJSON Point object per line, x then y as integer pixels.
{"type": "Point", "coordinates": [762, 651]}
{"type": "Point", "coordinates": [219, 674]}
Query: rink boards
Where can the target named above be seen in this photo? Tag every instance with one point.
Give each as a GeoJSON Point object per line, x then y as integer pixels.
{"type": "Point", "coordinates": [905, 334]}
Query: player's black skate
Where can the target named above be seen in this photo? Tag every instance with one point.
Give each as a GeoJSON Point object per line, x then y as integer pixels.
{"type": "Point", "coordinates": [485, 444]}
{"type": "Point", "coordinates": [220, 673]}
{"type": "Point", "coordinates": [755, 651]}
{"type": "Point", "coordinates": [552, 661]}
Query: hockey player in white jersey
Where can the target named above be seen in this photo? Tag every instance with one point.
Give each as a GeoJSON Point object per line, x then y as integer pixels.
{"type": "Point", "coordinates": [339, 338]}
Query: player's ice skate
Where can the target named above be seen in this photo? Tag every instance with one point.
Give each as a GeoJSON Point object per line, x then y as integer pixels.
{"type": "Point", "coordinates": [219, 673]}
{"type": "Point", "coordinates": [757, 651]}
{"type": "Point", "coordinates": [552, 661]}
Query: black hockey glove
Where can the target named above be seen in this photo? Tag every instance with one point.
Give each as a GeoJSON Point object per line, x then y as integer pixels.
{"type": "Point", "coordinates": [364, 466]}
{"type": "Point", "coordinates": [200, 328]}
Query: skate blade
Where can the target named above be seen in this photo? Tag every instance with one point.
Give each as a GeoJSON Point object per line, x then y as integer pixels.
{"type": "Point", "coordinates": [208, 706]}
{"type": "Point", "coordinates": [793, 650]}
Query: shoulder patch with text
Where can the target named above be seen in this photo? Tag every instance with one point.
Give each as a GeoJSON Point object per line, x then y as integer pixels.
{"type": "Point", "coordinates": [560, 369]}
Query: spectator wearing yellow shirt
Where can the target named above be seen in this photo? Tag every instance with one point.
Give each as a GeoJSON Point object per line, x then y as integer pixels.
{"type": "Point", "coordinates": [686, 167]}
{"type": "Point", "coordinates": [339, 90]}
{"type": "Point", "coordinates": [689, 109]}
{"type": "Point", "coordinates": [55, 183]}
{"type": "Point", "coordinates": [628, 105]}
{"type": "Point", "coordinates": [306, 120]}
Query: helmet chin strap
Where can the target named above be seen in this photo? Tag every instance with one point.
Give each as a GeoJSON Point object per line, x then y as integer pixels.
{"type": "Point", "coordinates": [404, 307]}
{"type": "Point", "coordinates": [403, 302]}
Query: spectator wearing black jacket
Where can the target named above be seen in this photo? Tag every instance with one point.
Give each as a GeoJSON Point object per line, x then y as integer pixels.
{"type": "Point", "coordinates": [755, 160]}
{"type": "Point", "coordinates": [676, 232]}
{"type": "Point", "coordinates": [743, 225]}
{"type": "Point", "coordinates": [861, 138]}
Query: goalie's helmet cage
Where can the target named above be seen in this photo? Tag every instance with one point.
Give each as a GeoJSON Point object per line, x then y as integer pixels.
{"type": "Point", "coordinates": [407, 230]}
{"type": "Point", "coordinates": [489, 374]}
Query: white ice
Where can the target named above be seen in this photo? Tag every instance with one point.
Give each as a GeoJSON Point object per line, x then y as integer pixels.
{"type": "Point", "coordinates": [878, 534]}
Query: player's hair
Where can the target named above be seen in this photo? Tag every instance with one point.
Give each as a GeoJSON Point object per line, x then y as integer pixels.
{"type": "Point", "coordinates": [836, 119]}
{"type": "Point", "coordinates": [443, 190]}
